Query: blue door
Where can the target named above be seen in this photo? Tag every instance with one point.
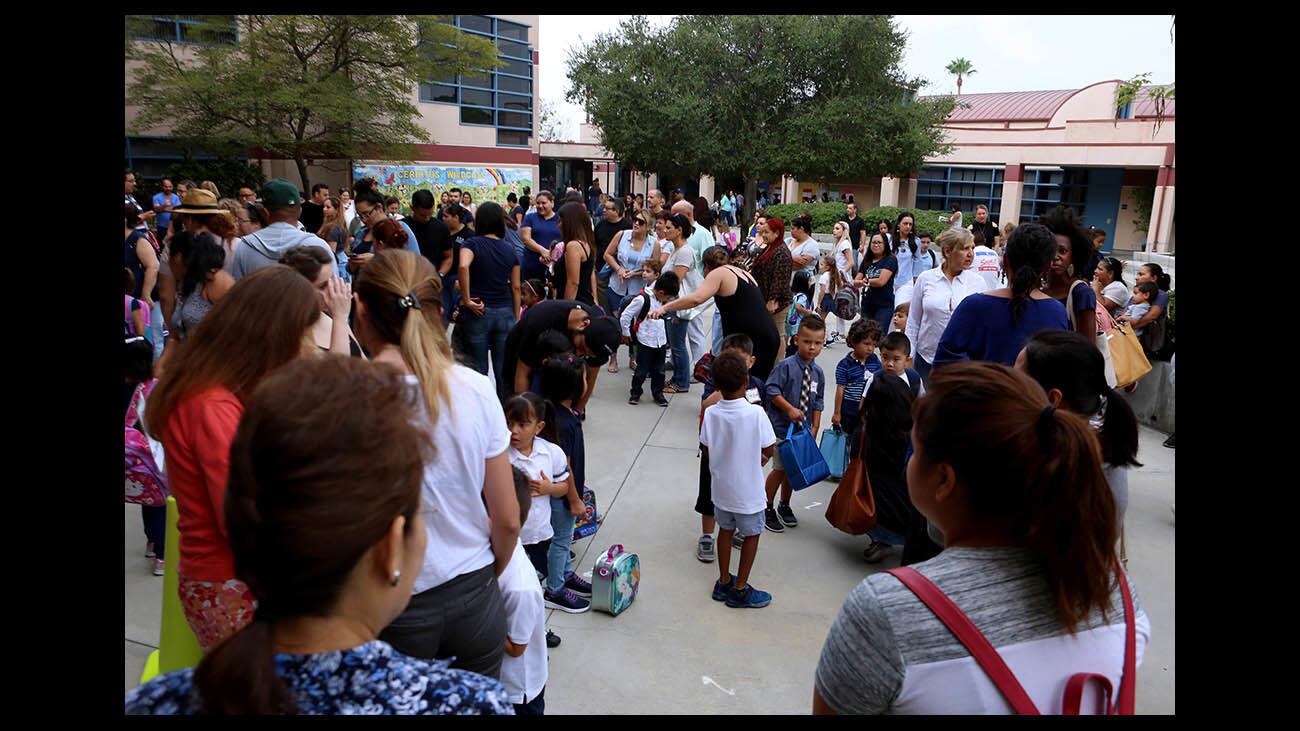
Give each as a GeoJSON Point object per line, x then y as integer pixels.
{"type": "Point", "coordinates": [1101, 206]}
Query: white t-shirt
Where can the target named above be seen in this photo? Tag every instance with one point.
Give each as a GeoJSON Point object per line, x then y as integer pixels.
{"type": "Point", "coordinates": [809, 247]}
{"type": "Point", "coordinates": [735, 431]}
{"type": "Point", "coordinates": [1115, 292]}
{"type": "Point", "coordinates": [685, 257]}
{"type": "Point", "coordinates": [525, 676]}
{"type": "Point", "coordinates": [470, 430]}
{"type": "Point", "coordinates": [844, 259]}
{"type": "Point", "coordinates": [988, 264]}
{"type": "Point", "coordinates": [547, 462]}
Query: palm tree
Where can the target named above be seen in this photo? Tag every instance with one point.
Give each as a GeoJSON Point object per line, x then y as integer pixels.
{"type": "Point", "coordinates": [960, 67]}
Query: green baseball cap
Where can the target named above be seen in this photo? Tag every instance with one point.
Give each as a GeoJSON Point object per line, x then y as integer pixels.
{"type": "Point", "coordinates": [280, 193]}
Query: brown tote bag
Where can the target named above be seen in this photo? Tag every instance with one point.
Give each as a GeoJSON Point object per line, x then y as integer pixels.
{"type": "Point", "coordinates": [853, 506]}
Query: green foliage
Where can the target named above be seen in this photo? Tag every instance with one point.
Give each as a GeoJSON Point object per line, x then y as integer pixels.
{"type": "Point", "coordinates": [301, 86]}
{"type": "Point", "coordinates": [1143, 202]}
{"type": "Point", "coordinates": [758, 96]}
{"type": "Point", "coordinates": [228, 174]}
{"type": "Point", "coordinates": [960, 68]}
{"type": "Point", "coordinates": [825, 215]}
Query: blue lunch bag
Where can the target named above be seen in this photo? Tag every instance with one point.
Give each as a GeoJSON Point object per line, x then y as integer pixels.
{"type": "Point", "coordinates": [835, 448]}
{"type": "Point", "coordinates": [802, 459]}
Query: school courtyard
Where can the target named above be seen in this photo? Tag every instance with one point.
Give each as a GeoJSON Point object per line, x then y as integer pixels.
{"type": "Point", "coordinates": [676, 650]}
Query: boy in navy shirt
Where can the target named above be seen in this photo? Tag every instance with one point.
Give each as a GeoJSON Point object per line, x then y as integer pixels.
{"type": "Point", "coordinates": [742, 344]}
{"type": "Point", "coordinates": [896, 351]}
{"type": "Point", "coordinates": [796, 392]}
{"type": "Point", "coordinates": [853, 374]}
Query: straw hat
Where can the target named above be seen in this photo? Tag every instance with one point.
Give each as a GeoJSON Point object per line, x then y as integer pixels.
{"type": "Point", "coordinates": [201, 202]}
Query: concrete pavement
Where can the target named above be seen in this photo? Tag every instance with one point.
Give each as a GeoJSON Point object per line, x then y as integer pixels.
{"type": "Point", "coordinates": [677, 651]}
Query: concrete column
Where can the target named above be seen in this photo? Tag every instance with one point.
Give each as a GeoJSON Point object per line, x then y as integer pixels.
{"type": "Point", "coordinates": [789, 189]}
{"type": "Point", "coordinates": [706, 187]}
{"type": "Point", "coordinates": [889, 191]}
{"type": "Point", "coordinates": [1162, 212]}
{"type": "Point", "coordinates": [908, 197]}
{"type": "Point", "coordinates": [1013, 188]}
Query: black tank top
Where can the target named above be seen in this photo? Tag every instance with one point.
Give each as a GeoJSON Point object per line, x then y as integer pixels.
{"type": "Point", "coordinates": [745, 311]}
{"type": "Point", "coordinates": [584, 276]}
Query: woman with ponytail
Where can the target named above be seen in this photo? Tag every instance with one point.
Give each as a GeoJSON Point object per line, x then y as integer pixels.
{"type": "Point", "coordinates": [994, 325]}
{"type": "Point", "coordinates": [1017, 488]}
{"type": "Point", "coordinates": [1072, 371]}
{"type": "Point", "coordinates": [194, 411]}
{"type": "Point", "coordinates": [327, 575]}
{"type": "Point", "coordinates": [470, 507]}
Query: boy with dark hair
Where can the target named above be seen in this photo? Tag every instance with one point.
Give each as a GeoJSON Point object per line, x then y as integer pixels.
{"type": "Point", "coordinates": [854, 372]}
{"type": "Point", "coordinates": [651, 336]}
{"type": "Point", "coordinates": [895, 351]}
{"type": "Point", "coordinates": [796, 391]}
{"type": "Point", "coordinates": [735, 343]}
{"type": "Point", "coordinates": [739, 439]}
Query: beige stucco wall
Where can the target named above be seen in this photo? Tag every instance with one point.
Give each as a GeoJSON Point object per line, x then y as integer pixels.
{"type": "Point", "coordinates": [1128, 235]}
{"type": "Point", "coordinates": [1091, 102]}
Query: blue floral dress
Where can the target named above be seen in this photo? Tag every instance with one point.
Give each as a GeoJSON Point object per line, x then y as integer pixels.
{"type": "Point", "coordinates": [373, 679]}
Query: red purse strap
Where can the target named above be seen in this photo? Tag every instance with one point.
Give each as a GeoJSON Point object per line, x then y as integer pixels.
{"type": "Point", "coordinates": [969, 635]}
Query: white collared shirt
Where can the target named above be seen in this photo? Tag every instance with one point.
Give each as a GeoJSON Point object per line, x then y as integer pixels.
{"type": "Point", "coordinates": [933, 300]}
{"type": "Point", "coordinates": [651, 332]}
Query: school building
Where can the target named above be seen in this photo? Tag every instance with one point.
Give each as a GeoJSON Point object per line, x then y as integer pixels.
{"type": "Point", "coordinates": [483, 125]}
{"type": "Point", "coordinates": [1019, 153]}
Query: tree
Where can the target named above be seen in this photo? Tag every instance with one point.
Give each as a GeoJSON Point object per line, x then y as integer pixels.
{"type": "Point", "coordinates": [750, 97]}
{"type": "Point", "coordinates": [553, 128]}
{"type": "Point", "coordinates": [961, 67]}
{"type": "Point", "coordinates": [300, 86]}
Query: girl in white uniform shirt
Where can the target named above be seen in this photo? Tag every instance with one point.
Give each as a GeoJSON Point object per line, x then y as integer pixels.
{"type": "Point", "coordinates": [469, 501]}
{"type": "Point", "coordinates": [937, 293]}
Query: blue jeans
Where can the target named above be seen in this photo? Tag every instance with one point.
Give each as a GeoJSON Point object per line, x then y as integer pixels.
{"type": "Point", "coordinates": [488, 332]}
{"type": "Point", "coordinates": [677, 332]}
{"type": "Point", "coordinates": [558, 563]}
{"type": "Point", "coordinates": [535, 707]}
{"type": "Point", "coordinates": [612, 301]}
{"type": "Point", "coordinates": [717, 332]}
{"type": "Point", "coordinates": [156, 327]}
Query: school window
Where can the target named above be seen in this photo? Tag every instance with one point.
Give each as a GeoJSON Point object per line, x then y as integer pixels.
{"type": "Point", "coordinates": [502, 97]}
{"type": "Point", "coordinates": [1047, 188]}
{"type": "Point", "coordinates": [151, 157]}
{"type": "Point", "coordinates": [939, 187]}
{"type": "Point", "coordinates": [188, 29]}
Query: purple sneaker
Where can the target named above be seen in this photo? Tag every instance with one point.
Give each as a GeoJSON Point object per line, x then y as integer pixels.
{"type": "Point", "coordinates": [578, 585]}
{"type": "Point", "coordinates": [567, 601]}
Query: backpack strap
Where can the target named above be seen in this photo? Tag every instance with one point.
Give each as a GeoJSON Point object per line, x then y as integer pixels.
{"type": "Point", "coordinates": [981, 650]}
{"type": "Point", "coordinates": [1128, 681]}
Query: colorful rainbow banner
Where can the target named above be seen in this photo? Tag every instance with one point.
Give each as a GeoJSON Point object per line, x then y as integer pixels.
{"type": "Point", "coordinates": [485, 184]}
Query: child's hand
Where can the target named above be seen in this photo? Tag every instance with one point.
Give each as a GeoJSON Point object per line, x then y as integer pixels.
{"type": "Point", "coordinates": [626, 340]}
{"type": "Point", "coordinates": [794, 415]}
{"type": "Point", "coordinates": [538, 488]}
{"type": "Point", "coordinates": [835, 419]}
{"type": "Point", "coordinates": [577, 507]}
{"type": "Point", "coordinates": [766, 458]}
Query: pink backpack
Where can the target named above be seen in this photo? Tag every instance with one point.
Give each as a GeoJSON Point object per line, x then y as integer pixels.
{"type": "Point", "coordinates": [146, 315]}
{"type": "Point", "coordinates": [145, 482]}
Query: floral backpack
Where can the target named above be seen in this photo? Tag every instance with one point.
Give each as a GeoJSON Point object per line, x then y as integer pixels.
{"type": "Point", "coordinates": [146, 484]}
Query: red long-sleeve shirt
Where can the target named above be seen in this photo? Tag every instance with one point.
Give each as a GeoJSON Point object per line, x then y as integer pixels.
{"type": "Point", "coordinates": [197, 442]}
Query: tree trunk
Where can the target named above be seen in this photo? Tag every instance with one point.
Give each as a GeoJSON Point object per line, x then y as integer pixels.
{"type": "Point", "coordinates": [301, 162]}
{"type": "Point", "coordinates": [958, 84]}
{"type": "Point", "coordinates": [751, 196]}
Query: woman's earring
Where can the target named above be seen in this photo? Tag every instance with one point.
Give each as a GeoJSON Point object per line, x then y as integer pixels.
{"type": "Point", "coordinates": [1070, 270]}
{"type": "Point", "coordinates": [397, 576]}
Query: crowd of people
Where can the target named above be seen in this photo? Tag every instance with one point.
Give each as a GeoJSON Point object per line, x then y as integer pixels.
{"type": "Point", "coordinates": [460, 347]}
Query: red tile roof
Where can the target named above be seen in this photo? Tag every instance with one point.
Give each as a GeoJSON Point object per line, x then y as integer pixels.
{"type": "Point", "coordinates": [1144, 107]}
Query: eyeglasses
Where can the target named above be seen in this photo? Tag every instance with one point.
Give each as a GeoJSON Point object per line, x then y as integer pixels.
{"type": "Point", "coordinates": [640, 222]}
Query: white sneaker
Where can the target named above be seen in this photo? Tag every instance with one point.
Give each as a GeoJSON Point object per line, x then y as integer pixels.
{"type": "Point", "coordinates": [149, 550]}
{"type": "Point", "coordinates": [159, 568]}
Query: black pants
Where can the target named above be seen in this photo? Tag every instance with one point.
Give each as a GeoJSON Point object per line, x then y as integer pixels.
{"type": "Point", "coordinates": [535, 707]}
{"type": "Point", "coordinates": [704, 503]}
{"type": "Point", "coordinates": [464, 618]}
{"type": "Point", "coordinates": [649, 361]}
{"type": "Point", "coordinates": [537, 555]}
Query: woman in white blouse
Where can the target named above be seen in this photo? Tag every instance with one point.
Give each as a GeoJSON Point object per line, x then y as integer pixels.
{"type": "Point", "coordinates": [938, 292]}
{"type": "Point", "coordinates": [1108, 282]}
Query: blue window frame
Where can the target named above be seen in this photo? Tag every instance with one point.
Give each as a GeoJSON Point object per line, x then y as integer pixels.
{"type": "Point", "coordinates": [1046, 189]}
{"type": "Point", "coordinates": [185, 29]}
{"type": "Point", "coordinates": [151, 157]}
{"type": "Point", "coordinates": [1125, 112]}
{"type": "Point", "coordinates": [502, 98]}
{"type": "Point", "coordinates": [938, 187]}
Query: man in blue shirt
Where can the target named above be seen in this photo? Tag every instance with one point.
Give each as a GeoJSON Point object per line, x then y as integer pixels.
{"type": "Point", "coordinates": [796, 391]}
{"type": "Point", "coordinates": [163, 203]}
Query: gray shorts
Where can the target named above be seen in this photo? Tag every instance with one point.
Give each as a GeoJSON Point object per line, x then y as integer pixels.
{"type": "Point", "coordinates": [776, 458]}
{"type": "Point", "coordinates": [745, 525]}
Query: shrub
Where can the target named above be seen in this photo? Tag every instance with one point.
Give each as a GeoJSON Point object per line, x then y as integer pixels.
{"type": "Point", "coordinates": [825, 215]}
{"type": "Point", "coordinates": [228, 174]}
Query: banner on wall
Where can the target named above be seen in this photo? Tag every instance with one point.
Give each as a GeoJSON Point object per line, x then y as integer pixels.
{"type": "Point", "coordinates": [483, 183]}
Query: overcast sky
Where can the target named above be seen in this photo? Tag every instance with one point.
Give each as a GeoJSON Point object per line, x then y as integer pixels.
{"type": "Point", "coordinates": [1009, 52]}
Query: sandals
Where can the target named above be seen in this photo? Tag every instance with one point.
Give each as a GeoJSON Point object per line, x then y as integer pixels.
{"type": "Point", "coordinates": [673, 389]}
{"type": "Point", "coordinates": [613, 365]}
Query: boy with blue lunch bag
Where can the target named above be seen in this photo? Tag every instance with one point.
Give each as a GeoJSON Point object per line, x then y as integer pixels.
{"type": "Point", "coordinates": [796, 391]}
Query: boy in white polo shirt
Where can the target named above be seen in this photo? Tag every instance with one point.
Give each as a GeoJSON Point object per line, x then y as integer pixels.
{"type": "Point", "coordinates": [523, 669]}
{"type": "Point", "coordinates": [739, 439]}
